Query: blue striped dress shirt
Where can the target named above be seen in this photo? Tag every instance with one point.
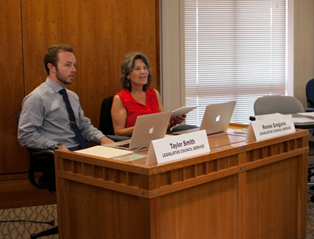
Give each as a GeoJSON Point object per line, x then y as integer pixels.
{"type": "Point", "coordinates": [44, 120]}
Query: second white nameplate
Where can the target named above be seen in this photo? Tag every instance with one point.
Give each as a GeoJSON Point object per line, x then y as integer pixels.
{"type": "Point", "coordinates": [270, 128]}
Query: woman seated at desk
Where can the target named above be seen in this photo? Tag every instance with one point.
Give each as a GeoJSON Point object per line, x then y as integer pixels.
{"type": "Point", "coordinates": [136, 98]}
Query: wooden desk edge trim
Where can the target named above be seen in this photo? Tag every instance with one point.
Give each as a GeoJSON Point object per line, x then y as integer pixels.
{"type": "Point", "coordinates": [143, 169]}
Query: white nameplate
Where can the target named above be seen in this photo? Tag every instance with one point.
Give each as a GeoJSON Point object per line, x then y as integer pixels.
{"type": "Point", "coordinates": [270, 127]}
{"type": "Point", "coordinates": [177, 147]}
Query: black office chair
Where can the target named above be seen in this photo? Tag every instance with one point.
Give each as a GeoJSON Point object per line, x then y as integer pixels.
{"type": "Point", "coordinates": [284, 105]}
{"type": "Point", "coordinates": [309, 91]}
{"type": "Point", "coordinates": [37, 164]}
{"type": "Point", "coordinates": [105, 121]}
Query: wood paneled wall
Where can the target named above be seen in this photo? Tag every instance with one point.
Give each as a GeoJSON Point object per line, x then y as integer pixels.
{"type": "Point", "coordinates": [13, 156]}
{"type": "Point", "coordinates": [101, 33]}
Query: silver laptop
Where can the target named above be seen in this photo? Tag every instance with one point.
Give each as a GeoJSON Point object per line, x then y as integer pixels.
{"type": "Point", "coordinates": [216, 118]}
{"type": "Point", "coordinates": [147, 128]}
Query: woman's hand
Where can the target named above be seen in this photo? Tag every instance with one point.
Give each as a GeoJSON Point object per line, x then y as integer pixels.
{"type": "Point", "coordinates": [177, 120]}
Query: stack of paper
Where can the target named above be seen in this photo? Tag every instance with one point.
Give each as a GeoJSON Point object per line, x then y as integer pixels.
{"type": "Point", "coordinates": [106, 152]}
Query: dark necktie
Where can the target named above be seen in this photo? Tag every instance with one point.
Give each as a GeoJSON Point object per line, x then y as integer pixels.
{"type": "Point", "coordinates": [74, 126]}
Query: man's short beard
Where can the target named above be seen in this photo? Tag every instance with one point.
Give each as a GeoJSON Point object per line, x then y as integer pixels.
{"type": "Point", "coordinates": [61, 79]}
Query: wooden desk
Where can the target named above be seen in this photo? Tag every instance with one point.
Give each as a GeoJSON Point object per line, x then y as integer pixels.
{"type": "Point", "coordinates": [239, 190]}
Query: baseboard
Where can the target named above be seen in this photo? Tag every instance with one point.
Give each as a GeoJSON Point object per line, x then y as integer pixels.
{"type": "Point", "coordinates": [16, 191]}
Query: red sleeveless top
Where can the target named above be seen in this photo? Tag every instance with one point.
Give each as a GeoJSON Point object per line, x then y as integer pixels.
{"type": "Point", "coordinates": [135, 108]}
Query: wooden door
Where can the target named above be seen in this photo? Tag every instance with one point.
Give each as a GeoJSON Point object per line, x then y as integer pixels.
{"type": "Point", "coordinates": [13, 158]}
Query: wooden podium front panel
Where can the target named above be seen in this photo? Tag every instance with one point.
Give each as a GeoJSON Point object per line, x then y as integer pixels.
{"type": "Point", "coordinates": [92, 212]}
{"type": "Point", "coordinates": [275, 188]}
{"type": "Point", "coordinates": [271, 201]}
{"type": "Point", "coordinates": [205, 211]}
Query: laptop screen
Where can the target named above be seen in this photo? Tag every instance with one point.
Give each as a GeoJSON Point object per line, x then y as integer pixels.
{"type": "Point", "coordinates": [217, 117]}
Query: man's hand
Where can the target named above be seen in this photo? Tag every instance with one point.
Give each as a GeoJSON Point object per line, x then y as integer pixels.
{"type": "Point", "coordinates": [105, 140]}
{"type": "Point", "coordinates": [64, 149]}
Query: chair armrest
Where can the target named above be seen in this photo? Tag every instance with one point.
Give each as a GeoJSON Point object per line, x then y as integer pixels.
{"type": "Point", "coordinates": [42, 153]}
{"type": "Point", "coordinates": [183, 127]}
{"type": "Point", "coordinates": [117, 138]}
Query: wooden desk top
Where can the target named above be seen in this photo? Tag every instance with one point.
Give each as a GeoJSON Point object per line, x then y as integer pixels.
{"type": "Point", "coordinates": [220, 144]}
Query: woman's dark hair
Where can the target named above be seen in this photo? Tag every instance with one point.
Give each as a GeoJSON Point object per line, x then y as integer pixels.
{"type": "Point", "coordinates": [127, 66]}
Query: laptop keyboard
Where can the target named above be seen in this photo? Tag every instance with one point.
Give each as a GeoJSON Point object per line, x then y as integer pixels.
{"type": "Point", "coordinates": [122, 146]}
{"type": "Point", "coordinates": [127, 147]}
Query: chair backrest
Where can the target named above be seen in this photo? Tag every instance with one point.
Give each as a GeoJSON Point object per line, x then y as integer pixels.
{"type": "Point", "coordinates": [37, 162]}
{"type": "Point", "coordinates": [105, 122]}
{"type": "Point", "coordinates": [309, 90]}
{"type": "Point", "coordinates": [277, 104]}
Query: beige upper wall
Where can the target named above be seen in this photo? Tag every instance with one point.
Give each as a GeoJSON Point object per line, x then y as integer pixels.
{"type": "Point", "coordinates": [303, 46]}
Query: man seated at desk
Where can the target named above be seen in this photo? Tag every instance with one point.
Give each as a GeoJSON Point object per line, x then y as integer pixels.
{"type": "Point", "coordinates": [52, 117]}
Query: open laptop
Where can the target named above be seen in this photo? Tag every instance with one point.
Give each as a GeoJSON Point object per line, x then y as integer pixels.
{"type": "Point", "coordinates": [216, 118]}
{"type": "Point", "coordinates": [147, 128]}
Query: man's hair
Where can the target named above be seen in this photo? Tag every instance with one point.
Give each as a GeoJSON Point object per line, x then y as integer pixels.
{"type": "Point", "coordinates": [51, 55]}
{"type": "Point", "coordinates": [127, 66]}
